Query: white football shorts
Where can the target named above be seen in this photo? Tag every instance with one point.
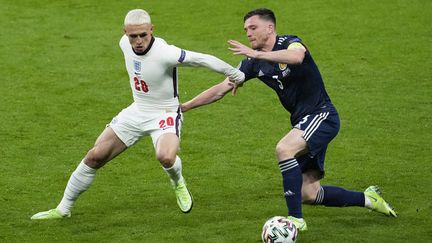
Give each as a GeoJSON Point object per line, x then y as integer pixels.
{"type": "Point", "coordinates": [131, 124]}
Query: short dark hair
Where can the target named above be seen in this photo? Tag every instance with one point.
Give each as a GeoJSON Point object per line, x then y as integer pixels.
{"type": "Point", "coordinates": [263, 13]}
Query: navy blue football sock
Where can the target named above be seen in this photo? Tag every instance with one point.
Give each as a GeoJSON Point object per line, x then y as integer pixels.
{"type": "Point", "coordinates": [292, 183]}
{"type": "Point", "coordinates": [332, 196]}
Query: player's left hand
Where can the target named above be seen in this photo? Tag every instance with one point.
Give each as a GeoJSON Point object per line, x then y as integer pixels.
{"type": "Point", "coordinates": [240, 49]}
{"type": "Point", "coordinates": [236, 76]}
{"type": "Point", "coordinates": [234, 86]}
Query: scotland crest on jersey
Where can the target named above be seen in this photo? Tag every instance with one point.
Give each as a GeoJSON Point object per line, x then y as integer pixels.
{"type": "Point", "coordinates": [285, 69]}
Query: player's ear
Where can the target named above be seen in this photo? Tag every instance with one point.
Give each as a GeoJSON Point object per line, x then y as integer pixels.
{"type": "Point", "coordinates": [271, 28]}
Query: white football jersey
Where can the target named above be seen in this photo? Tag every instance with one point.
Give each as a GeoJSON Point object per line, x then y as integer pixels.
{"type": "Point", "coordinates": [153, 76]}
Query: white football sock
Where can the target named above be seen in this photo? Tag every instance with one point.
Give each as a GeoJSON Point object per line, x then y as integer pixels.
{"type": "Point", "coordinates": [175, 172]}
{"type": "Point", "coordinates": [368, 202]}
{"type": "Point", "coordinates": [79, 182]}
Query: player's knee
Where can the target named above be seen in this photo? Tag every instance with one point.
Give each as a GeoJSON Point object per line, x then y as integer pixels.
{"type": "Point", "coordinates": [308, 198]}
{"type": "Point", "coordinates": [166, 160]}
{"type": "Point", "coordinates": [309, 195]}
{"type": "Point", "coordinates": [95, 158]}
{"type": "Point", "coordinates": [284, 151]}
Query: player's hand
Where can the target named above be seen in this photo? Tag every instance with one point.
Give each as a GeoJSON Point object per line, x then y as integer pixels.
{"type": "Point", "coordinates": [234, 86]}
{"type": "Point", "coordinates": [239, 49]}
{"type": "Point", "coordinates": [236, 79]}
{"type": "Point", "coordinates": [236, 76]}
{"type": "Point", "coordinates": [183, 108]}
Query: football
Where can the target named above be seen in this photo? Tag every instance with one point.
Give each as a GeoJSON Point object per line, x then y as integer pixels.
{"type": "Point", "coordinates": [279, 229]}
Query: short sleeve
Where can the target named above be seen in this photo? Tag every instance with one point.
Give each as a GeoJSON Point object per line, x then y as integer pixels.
{"type": "Point", "coordinates": [295, 45]}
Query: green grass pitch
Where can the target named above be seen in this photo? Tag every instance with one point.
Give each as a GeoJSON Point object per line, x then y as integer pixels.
{"type": "Point", "coordinates": [63, 78]}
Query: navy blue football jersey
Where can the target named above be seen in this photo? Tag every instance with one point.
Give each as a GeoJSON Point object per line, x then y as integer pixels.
{"type": "Point", "coordinates": [300, 88]}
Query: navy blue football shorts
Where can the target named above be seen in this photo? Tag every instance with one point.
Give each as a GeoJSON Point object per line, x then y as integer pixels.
{"type": "Point", "coordinates": [319, 129]}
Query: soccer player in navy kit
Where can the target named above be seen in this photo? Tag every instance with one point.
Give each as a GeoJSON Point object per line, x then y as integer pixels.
{"type": "Point", "coordinates": [285, 64]}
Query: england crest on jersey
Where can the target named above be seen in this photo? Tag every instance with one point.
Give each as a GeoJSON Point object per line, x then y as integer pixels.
{"type": "Point", "coordinates": [137, 66]}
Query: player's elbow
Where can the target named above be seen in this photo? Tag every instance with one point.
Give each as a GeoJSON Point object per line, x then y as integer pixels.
{"type": "Point", "coordinates": [296, 57]}
{"type": "Point", "coordinates": [205, 60]}
{"type": "Point", "coordinates": [220, 94]}
{"type": "Point", "coordinates": [217, 98]}
{"type": "Point", "coordinates": [297, 61]}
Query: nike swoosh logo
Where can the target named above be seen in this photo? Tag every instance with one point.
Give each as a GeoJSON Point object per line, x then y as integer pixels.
{"type": "Point", "coordinates": [373, 198]}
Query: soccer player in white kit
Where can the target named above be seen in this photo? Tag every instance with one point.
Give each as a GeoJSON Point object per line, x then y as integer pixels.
{"type": "Point", "coordinates": [152, 67]}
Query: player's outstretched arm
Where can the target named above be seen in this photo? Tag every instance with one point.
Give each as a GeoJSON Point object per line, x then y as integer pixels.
{"type": "Point", "coordinates": [209, 96]}
{"type": "Point", "coordinates": [215, 64]}
{"type": "Point", "coordinates": [293, 55]}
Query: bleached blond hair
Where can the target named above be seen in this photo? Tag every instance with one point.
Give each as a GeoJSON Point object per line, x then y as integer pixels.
{"type": "Point", "coordinates": [137, 17]}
